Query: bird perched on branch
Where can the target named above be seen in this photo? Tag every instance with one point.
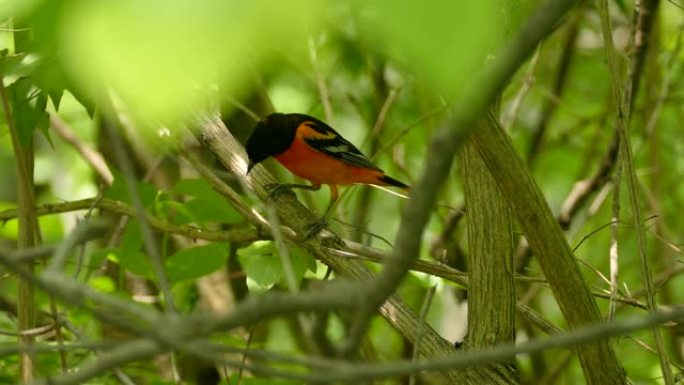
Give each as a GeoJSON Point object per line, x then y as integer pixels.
{"type": "Point", "coordinates": [314, 151]}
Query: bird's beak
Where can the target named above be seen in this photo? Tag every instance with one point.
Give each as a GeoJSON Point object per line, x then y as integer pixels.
{"type": "Point", "coordinates": [250, 166]}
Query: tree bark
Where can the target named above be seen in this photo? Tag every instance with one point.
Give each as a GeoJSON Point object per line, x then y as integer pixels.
{"type": "Point", "coordinates": [550, 246]}
{"type": "Point", "coordinates": [491, 294]}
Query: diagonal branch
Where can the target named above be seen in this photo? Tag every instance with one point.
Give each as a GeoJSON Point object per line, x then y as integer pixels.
{"type": "Point", "coordinates": [294, 215]}
{"type": "Point", "coordinates": [623, 102]}
{"type": "Point", "coordinates": [470, 107]}
{"type": "Point", "coordinates": [549, 244]}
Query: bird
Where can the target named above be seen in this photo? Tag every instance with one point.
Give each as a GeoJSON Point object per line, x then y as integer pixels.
{"type": "Point", "coordinates": [312, 150]}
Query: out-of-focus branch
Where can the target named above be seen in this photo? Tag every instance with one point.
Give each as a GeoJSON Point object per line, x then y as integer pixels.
{"type": "Point", "coordinates": [550, 104]}
{"type": "Point", "coordinates": [582, 190]}
{"type": "Point", "coordinates": [28, 232]}
{"type": "Point", "coordinates": [468, 108]}
{"type": "Point", "coordinates": [92, 157]}
{"type": "Point", "coordinates": [294, 215]}
{"type": "Point", "coordinates": [334, 370]}
{"type": "Point", "coordinates": [623, 102]}
{"type": "Point", "coordinates": [238, 235]}
{"type": "Point", "coordinates": [114, 123]}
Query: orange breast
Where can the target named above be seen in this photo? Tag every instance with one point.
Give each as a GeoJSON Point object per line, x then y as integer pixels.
{"type": "Point", "coordinates": [319, 168]}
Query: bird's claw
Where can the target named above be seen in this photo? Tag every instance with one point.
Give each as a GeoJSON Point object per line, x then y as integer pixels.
{"type": "Point", "coordinates": [275, 189]}
{"type": "Point", "coordinates": [315, 227]}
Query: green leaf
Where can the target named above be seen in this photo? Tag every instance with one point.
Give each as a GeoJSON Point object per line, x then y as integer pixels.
{"type": "Point", "coordinates": [16, 67]}
{"type": "Point", "coordinates": [28, 108]}
{"type": "Point", "coordinates": [97, 257]}
{"type": "Point", "coordinates": [128, 254]}
{"type": "Point", "coordinates": [156, 76]}
{"type": "Point", "coordinates": [194, 262]}
{"type": "Point", "coordinates": [134, 261]}
{"type": "Point", "coordinates": [50, 78]}
{"type": "Point", "coordinates": [86, 100]}
{"type": "Point", "coordinates": [119, 190]}
{"type": "Point", "coordinates": [302, 261]}
{"type": "Point", "coordinates": [42, 117]}
{"type": "Point", "coordinates": [102, 283]}
{"type": "Point", "coordinates": [262, 263]}
{"type": "Point", "coordinates": [446, 41]}
{"type": "Point", "coordinates": [208, 205]}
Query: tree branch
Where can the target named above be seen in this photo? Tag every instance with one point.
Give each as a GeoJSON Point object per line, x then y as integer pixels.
{"type": "Point", "coordinates": [470, 107]}
{"type": "Point", "coordinates": [491, 295]}
{"type": "Point", "coordinates": [238, 235]}
{"type": "Point", "coordinates": [623, 102]}
{"type": "Point", "coordinates": [548, 243]}
{"type": "Point", "coordinates": [231, 153]}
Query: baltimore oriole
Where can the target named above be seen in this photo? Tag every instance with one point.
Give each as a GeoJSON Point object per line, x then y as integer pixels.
{"type": "Point", "coordinates": [313, 151]}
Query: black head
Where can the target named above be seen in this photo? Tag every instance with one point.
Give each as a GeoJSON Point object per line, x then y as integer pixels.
{"type": "Point", "coordinates": [272, 136]}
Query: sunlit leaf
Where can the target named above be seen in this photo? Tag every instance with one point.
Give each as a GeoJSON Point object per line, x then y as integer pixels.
{"type": "Point", "coordinates": [207, 205]}
{"type": "Point", "coordinates": [102, 283]}
{"type": "Point", "coordinates": [128, 254]}
{"type": "Point", "coordinates": [263, 264]}
{"type": "Point", "coordinates": [161, 57]}
{"type": "Point", "coordinates": [17, 8]}
{"type": "Point", "coordinates": [119, 190]}
{"type": "Point", "coordinates": [49, 78]}
{"type": "Point", "coordinates": [28, 108]}
{"type": "Point", "coordinates": [194, 262]}
{"type": "Point", "coordinates": [445, 41]}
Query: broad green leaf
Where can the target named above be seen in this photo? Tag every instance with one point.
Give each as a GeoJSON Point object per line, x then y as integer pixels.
{"type": "Point", "coordinates": [162, 71]}
{"type": "Point", "coordinates": [28, 108]}
{"type": "Point", "coordinates": [194, 262]}
{"type": "Point", "coordinates": [98, 256]}
{"type": "Point", "coordinates": [185, 296]}
{"type": "Point", "coordinates": [102, 283]}
{"type": "Point", "coordinates": [208, 205]}
{"type": "Point", "coordinates": [302, 262]}
{"type": "Point", "coordinates": [262, 263]}
{"type": "Point", "coordinates": [445, 41]}
{"type": "Point", "coordinates": [42, 117]}
{"type": "Point", "coordinates": [178, 212]}
{"type": "Point", "coordinates": [17, 8]}
{"type": "Point", "coordinates": [18, 66]}
{"type": "Point", "coordinates": [6, 322]}
{"type": "Point", "coordinates": [128, 254]}
{"type": "Point", "coordinates": [134, 261]}
{"type": "Point", "coordinates": [119, 190]}
{"type": "Point", "coordinates": [49, 77]}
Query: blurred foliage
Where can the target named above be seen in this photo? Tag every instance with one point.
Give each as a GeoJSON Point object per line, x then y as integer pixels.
{"type": "Point", "coordinates": [162, 62]}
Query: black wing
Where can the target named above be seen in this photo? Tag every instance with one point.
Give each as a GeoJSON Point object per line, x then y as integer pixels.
{"type": "Point", "coordinates": [332, 143]}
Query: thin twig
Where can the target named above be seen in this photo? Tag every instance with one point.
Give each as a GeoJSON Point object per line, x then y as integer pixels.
{"type": "Point", "coordinates": [237, 235]}
{"type": "Point", "coordinates": [427, 302]}
{"type": "Point", "coordinates": [92, 157]}
{"type": "Point", "coordinates": [553, 100]}
{"type": "Point", "coordinates": [511, 114]}
{"type": "Point", "coordinates": [471, 106]}
{"type": "Point", "coordinates": [149, 242]}
{"type": "Point", "coordinates": [29, 231]}
{"type": "Point", "coordinates": [623, 102]}
{"type": "Point", "coordinates": [326, 100]}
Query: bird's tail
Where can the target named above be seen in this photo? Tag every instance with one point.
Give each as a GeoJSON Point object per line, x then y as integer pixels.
{"type": "Point", "coordinates": [389, 181]}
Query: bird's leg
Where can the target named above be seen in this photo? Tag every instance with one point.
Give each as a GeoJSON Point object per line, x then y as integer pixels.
{"type": "Point", "coordinates": [319, 224]}
{"type": "Point", "coordinates": [334, 196]}
{"type": "Point", "coordinates": [276, 188]}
